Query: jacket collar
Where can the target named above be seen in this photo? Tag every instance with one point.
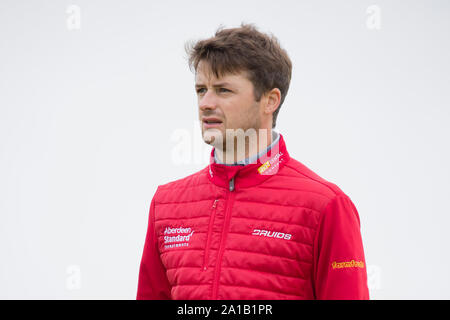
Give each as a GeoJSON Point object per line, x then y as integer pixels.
{"type": "Point", "coordinates": [251, 174]}
{"type": "Point", "coordinates": [275, 138]}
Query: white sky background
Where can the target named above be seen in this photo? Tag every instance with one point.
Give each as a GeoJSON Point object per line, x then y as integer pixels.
{"type": "Point", "coordinates": [89, 118]}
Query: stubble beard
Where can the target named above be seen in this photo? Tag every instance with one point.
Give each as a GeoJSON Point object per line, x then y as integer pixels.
{"type": "Point", "coordinates": [238, 139]}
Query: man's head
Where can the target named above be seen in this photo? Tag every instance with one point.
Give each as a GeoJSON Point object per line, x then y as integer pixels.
{"type": "Point", "coordinates": [242, 77]}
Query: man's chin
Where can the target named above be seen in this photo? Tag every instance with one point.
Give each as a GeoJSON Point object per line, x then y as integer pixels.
{"type": "Point", "coordinates": [213, 137]}
{"type": "Point", "coordinates": [209, 140]}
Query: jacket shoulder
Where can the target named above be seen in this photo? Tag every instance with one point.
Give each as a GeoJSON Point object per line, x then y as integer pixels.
{"type": "Point", "coordinates": [301, 174]}
{"type": "Point", "coordinates": [193, 180]}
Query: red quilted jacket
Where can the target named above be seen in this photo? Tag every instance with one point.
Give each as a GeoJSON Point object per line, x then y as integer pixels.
{"type": "Point", "coordinates": [267, 230]}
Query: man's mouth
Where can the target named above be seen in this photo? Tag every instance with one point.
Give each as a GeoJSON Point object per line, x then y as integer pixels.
{"type": "Point", "coordinates": [211, 122]}
{"type": "Point", "coordinates": [211, 125]}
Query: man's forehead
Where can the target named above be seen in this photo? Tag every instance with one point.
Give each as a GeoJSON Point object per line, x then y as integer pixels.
{"type": "Point", "coordinates": [203, 76]}
{"type": "Point", "coordinates": [211, 78]}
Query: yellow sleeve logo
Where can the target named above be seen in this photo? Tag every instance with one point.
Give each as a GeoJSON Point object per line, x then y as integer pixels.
{"type": "Point", "coordinates": [347, 264]}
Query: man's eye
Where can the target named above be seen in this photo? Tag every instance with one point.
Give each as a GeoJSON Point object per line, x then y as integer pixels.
{"type": "Point", "coordinates": [220, 89]}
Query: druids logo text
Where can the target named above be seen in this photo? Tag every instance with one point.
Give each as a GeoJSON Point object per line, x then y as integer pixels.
{"type": "Point", "coordinates": [177, 237]}
{"type": "Point", "coordinates": [271, 234]}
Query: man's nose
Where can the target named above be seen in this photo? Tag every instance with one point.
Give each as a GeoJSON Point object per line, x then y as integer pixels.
{"type": "Point", "coordinates": [208, 101]}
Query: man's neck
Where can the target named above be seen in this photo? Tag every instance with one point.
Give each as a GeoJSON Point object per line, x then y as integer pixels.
{"type": "Point", "coordinates": [252, 151]}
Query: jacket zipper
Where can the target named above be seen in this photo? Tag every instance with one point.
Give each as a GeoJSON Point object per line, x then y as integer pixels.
{"type": "Point", "coordinates": [229, 205]}
{"type": "Point", "coordinates": [208, 239]}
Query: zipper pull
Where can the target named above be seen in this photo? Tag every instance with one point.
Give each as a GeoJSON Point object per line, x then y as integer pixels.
{"type": "Point", "coordinates": [232, 184]}
{"type": "Point", "coordinates": [214, 204]}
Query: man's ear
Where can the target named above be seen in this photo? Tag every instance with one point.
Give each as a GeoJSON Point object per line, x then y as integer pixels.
{"type": "Point", "coordinates": [273, 98]}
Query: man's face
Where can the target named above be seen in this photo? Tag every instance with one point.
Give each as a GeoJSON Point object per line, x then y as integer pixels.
{"type": "Point", "coordinates": [229, 99]}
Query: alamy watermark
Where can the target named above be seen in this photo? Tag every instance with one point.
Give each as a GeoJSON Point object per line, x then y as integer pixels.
{"type": "Point", "coordinates": [73, 279]}
{"type": "Point", "coordinates": [235, 144]}
{"type": "Point", "coordinates": [73, 20]}
{"type": "Point", "coordinates": [373, 21]}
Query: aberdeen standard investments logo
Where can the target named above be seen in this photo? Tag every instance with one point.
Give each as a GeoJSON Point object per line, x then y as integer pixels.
{"type": "Point", "coordinates": [177, 237]}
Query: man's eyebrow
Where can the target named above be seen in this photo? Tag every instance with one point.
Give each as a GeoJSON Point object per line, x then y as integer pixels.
{"type": "Point", "coordinates": [221, 84]}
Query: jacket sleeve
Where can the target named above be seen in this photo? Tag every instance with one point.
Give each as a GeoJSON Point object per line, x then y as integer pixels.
{"type": "Point", "coordinates": [153, 283]}
{"type": "Point", "coordinates": [339, 264]}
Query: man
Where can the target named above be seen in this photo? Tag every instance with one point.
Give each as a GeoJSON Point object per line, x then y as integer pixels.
{"type": "Point", "coordinates": [255, 223]}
